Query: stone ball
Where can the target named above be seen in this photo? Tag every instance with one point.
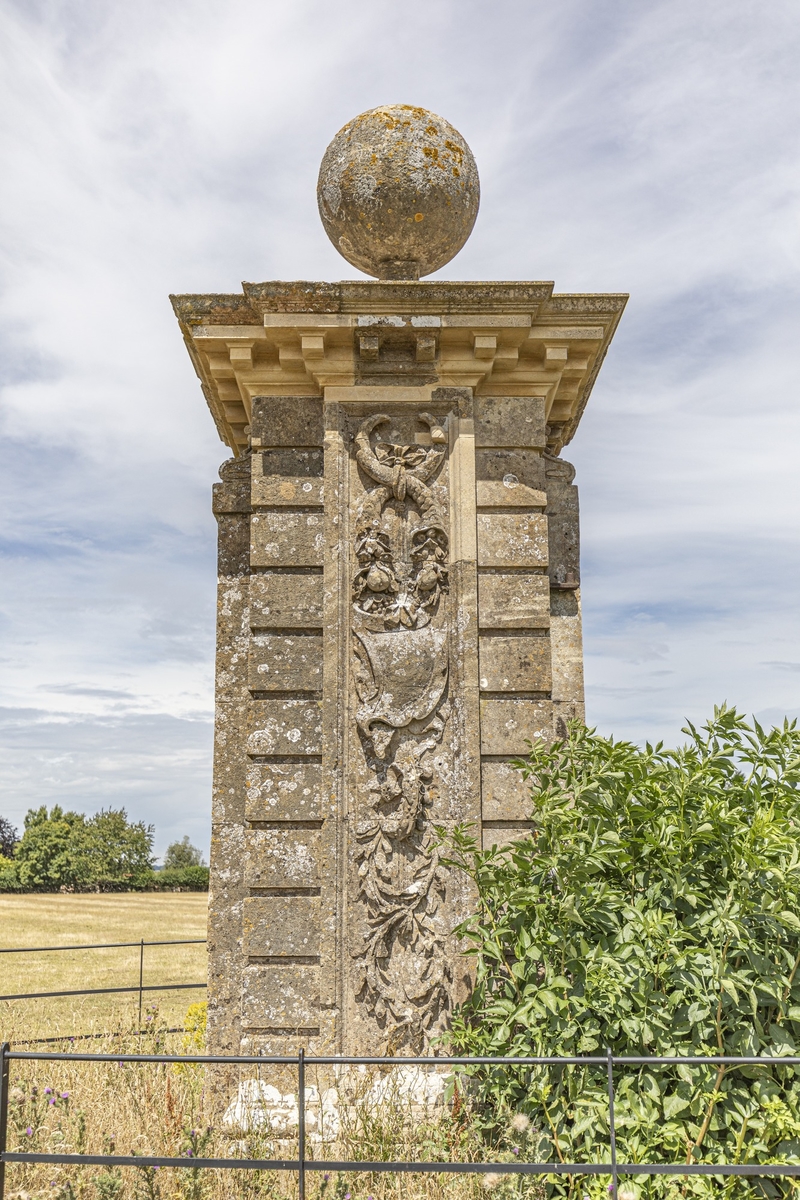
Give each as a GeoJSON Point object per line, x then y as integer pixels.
{"type": "Point", "coordinates": [398, 192]}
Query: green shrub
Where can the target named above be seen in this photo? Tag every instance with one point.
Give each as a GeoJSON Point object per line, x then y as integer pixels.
{"type": "Point", "coordinates": [188, 879]}
{"type": "Point", "coordinates": [182, 854]}
{"type": "Point", "coordinates": [655, 910]}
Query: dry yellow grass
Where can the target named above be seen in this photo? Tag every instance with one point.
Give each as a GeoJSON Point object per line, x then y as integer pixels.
{"type": "Point", "coordinates": [67, 920]}
{"type": "Point", "coordinates": [78, 1107]}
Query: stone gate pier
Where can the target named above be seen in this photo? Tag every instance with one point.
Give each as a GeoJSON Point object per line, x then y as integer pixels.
{"type": "Point", "coordinates": [399, 597]}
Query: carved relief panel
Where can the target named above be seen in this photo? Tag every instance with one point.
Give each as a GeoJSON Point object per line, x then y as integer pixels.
{"type": "Point", "coordinates": [399, 736]}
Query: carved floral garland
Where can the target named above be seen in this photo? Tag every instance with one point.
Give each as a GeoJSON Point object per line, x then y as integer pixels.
{"type": "Point", "coordinates": [400, 675]}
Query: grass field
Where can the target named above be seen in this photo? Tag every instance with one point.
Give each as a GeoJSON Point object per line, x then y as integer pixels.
{"type": "Point", "coordinates": [74, 920]}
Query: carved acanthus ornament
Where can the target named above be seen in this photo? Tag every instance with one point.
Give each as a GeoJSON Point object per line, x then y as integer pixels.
{"type": "Point", "coordinates": [401, 678]}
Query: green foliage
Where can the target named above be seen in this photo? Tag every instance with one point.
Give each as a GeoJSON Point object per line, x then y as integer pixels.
{"type": "Point", "coordinates": [8, 838]}
{"type": "Point", "coordinates": [67, 850]}
{"type": "Point", "coordinates": [182, 854]}
{"type": "Point", "coordinates": [184, 879]}
{"type": "Point", "coordinates": [655, 909]}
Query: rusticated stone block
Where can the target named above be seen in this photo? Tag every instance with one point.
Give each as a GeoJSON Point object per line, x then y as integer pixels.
{"type": "Point", "coordinates": [287, 421]}
{"type": "Point", "coordinates": [504, 793]}
{"type": "Point", "coordinates": [286, 601]}
{"type": "Point", "coordinates": [506, 421]}
{"type": "Point", "coordinates": [513, 601]}
{"type": "Point", "coordinates": [505, 833]}
{"type": "Point", "coordinates": [284, 791]}
{"type": "Point", "coordinates": [288, 490]}
{"type": "Point", "coordinates": [284, 662]}
{"type": "Point", "coordinates": [506, 725]}
{"type": "Point", "coordinates": [285, 727]}
{"type": "Point", "coordinates": [281, 926]}
{"type": "Point", "coordinates": [287, 539]}
{"type": "Point", "coordinates": [513, 539]}
{"type": "Point", "coordinates": [515, 664]}
{"type": "Point", "coordinates": [280, 997]}
{"type": "Point", "coordinates": [282, 858]}
{"type": "Point", "coordinates": [508, 493]}
{"type": "Point", "coordinates": [528, 466]}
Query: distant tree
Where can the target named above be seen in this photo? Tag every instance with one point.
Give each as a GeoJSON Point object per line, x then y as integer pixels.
{"type": "Point", "coordinates": [8, 838]}
{"type": "Point", "coordinates": [119, 852]}
{"type": "Point", "coordinates": [66, 849]}
{"type": "Point", "coordinates": [182, 854]}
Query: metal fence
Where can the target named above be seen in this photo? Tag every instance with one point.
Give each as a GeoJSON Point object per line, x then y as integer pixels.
{"type": "Point", "coordinates": [141, 987]}
{"type": "Point", "coordinates": [302, 1164]}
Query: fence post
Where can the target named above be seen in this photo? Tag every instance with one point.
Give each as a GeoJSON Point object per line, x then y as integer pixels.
{"type": "Point", "coordinates": [301, 1125]}
{"type": "Point", "coordinates": [141, 977]}
{"type": "Point", "coordinates": [4, 1088]}
{"type": "Point", "coordinates": [611, 1125]}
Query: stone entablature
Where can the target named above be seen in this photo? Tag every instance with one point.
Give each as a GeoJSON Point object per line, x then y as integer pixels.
{"type": "Point", "coordinates": [399, 611]}
{"type": "Point", "coordinates": [496, 338]}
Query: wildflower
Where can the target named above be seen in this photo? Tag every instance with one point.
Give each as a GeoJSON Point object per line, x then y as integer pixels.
{"type": "Point", "coordinates": [65, 1095]}
{"type": "Point", "coordinates": [325, 1178]}
{"type": "Point", "coordinates": [520, 1123]}
{"type": "Point", "coordinates": [48, 1091]}
{"type": "Point", "coordinates": [52, 1100]}
{"type": "Point", "coordinates": [29, 1131]}
{"type": "Point", "coordinates": [491, 1181]}
{"type": "Point", "coordinates": [515, 1149]}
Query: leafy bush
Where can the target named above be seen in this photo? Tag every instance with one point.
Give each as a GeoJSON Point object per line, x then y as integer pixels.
{"type": "Point", "coordinates": [187, 879]}
{"type": "Point", "coordinates": [67, 850]}
{"type": "Point", "coordinates": [655, 910]}
{"type": "Point", "coordinates": [182, 854]}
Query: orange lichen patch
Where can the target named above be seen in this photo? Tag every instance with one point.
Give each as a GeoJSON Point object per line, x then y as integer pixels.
{"type": "Point", "coordinates": [419, 216]}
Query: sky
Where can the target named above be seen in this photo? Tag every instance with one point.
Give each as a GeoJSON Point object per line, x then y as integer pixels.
{"type": "Point", "coordinates": [173, 146]}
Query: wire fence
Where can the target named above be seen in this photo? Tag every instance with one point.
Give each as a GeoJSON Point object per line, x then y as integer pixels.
{"type": "Point", "coordinates": [302, 1164]}
{"type": "Point", "coordinates": [139, 987]}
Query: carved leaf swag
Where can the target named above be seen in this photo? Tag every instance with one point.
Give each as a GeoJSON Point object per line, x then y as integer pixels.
{"type": "Point", "coordinates": [400, 675]}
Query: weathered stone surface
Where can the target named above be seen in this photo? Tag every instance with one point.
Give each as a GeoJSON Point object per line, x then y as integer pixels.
{"type": "Point", "coordinates": [287, 538]}
{"type": "Point", "coordinates": [281, 927]}
{"type": "Point", "coordinates": [285, 662]}
{"type": "Point", "coordinates": [284, 791]}
{"type": "Point", "coordinates": [290, 490]}
{"type": "Point", "coordinates": [508, 493]}
{"type": "Point", "coordinates": [507, 421]}
{"type": "Point", "coordinates": [514, 539]}
{"type": "Point", "coordinates": [280, 998]}
{"type": "Point", "coordinates": [286, 601]}
{"type": "Point", "coordinates": [515, 664]}
{"type": "Point", "coordinates": [525, 465]}
{"type": "Point", "coordinates": [294, 421]}
{"type": "Point", "coordinates": [504, 833]}
{"type": "Point", "coordinates": [507, 725]}
{"type": "Point", "coordinates": [505, 794]}
{"type": "Point", "coordinates": [567, 641]}
{"type": "Point", "coordinates": [282, 858]}
{"type": "Point", "coordinates": [285, 727]}
{"type": "Point", "coordinates": [398, 191]}
{"type": "Point", "coordinates": [513, 601]}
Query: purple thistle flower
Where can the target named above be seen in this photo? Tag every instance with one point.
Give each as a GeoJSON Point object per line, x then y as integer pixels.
{"type": "Point", "coordinates": [47, 1091]}
{"type": "Point", "coordinates": [515, 1150]}
{"type": "Point", "coordinates": [29, 1131]}
{"type": "Point", "coordinates": [65, 1095]}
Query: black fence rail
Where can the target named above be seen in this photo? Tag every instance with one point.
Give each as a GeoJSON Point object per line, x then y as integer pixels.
{"type": "Point", "coordinates": [141, 987]}
{"type": "Point", "coordinates": [302, 1164]}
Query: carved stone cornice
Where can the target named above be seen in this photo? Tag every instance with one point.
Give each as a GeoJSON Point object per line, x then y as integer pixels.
{"type": "Point", "coordinates": [500, 339]}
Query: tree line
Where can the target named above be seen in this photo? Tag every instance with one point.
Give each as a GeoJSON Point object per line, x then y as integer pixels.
{"type": "Point", "coordinates": [67, 851]}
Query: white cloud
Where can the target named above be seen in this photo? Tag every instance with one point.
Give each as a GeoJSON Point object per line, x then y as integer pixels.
{"type": "Point", "coordinates": [174, 146]}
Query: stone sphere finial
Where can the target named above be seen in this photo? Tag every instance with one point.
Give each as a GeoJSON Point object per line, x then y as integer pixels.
{"type": "Point", "coordinates": [398, 192]}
